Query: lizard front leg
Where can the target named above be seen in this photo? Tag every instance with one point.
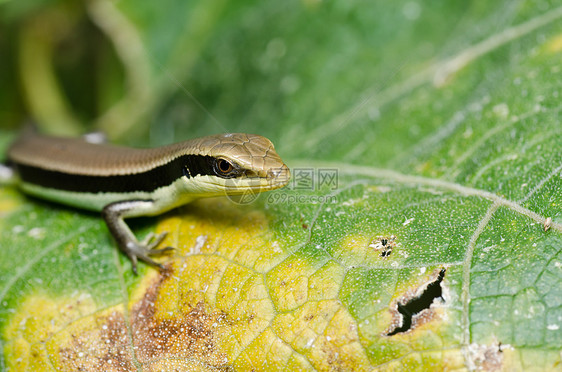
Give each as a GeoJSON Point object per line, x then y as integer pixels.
{"type": "Point", "coordinates": [114, 215]}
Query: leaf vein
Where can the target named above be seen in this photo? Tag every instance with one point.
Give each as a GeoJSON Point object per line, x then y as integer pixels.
{"type": "Point", "coordinates": [465, 295]}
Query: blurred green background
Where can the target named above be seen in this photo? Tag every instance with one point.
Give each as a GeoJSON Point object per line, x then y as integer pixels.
{"type": "Point", "coordinates": [150, 72]}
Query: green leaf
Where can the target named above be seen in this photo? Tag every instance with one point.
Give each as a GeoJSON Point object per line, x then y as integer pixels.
{"type": "Point", "coordinates": [429, 240]}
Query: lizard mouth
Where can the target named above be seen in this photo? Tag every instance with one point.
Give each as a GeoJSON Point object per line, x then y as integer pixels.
{"type": "Point", "coordinates": [274, 179]}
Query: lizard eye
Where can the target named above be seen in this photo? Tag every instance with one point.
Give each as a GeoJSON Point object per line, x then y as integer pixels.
{"type": "Point", "coordinates": [224, 166]}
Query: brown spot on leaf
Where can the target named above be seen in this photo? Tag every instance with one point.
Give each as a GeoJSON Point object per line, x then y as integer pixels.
{"type": "Point", "coordinates": [105, 348]}
{"type": "Point", "coordinates": [251, 317]}
{"type": "Point", "coordinates": [486, 357]}
{"type": "Point", "coordinates": [188, 334]}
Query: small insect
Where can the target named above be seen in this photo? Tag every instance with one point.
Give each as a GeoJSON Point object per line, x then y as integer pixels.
{"type": "Point", "coordinates": [384, 244]}
{"type": "Point", "coordinates": [547, 223]}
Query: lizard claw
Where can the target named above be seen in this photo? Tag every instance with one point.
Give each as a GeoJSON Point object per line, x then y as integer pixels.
{"type": "Point", "coordinates": [160, 251]}
{"type": "Point", "coordinates": [141, 251]}
{"type": "Point", "coordinates": [152, 240]}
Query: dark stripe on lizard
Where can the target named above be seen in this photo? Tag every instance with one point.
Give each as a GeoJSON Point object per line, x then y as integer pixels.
{"type": "Point", "coordinates": [148, 181]}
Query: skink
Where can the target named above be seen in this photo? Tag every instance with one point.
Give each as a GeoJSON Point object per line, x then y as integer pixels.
{"type": "Point", "coordinates": [124, 182]}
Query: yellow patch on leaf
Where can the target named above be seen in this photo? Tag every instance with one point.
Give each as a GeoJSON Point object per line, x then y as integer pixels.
{"type": "Point", "coordinates": [326, 282]}
{"type": "Point", "coordinates": [288, 283]}
{"type": "Point", "coordinates": [268, 352]}
{"type": "Point", "coordinates": [352, 250]}
{"type": "Point", "coordinates": [38, 321]}
{"type": "Point", "coordinates": [206, 308]}
{"type": "Point", "coordinates": [10, 199]}
{"type": "Point", "coordinates": [325, 333]}
{"type": "Point", "coordinates": [216, 226]}
{"type": "Point", "coordinates": [554, 45]}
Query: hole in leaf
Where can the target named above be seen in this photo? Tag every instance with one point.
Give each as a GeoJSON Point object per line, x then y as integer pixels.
{"type": "Point", "coordinates": [419, 303]}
